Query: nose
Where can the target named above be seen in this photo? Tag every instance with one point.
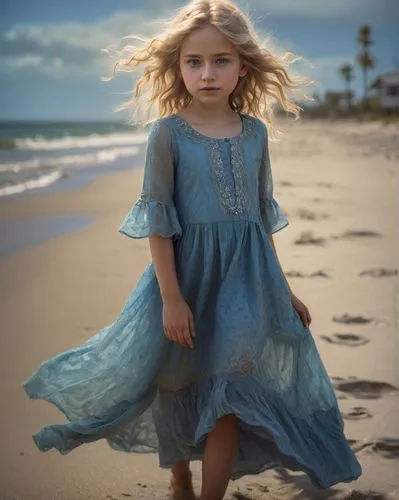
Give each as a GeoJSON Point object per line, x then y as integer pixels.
{"type": "Point", "coordinates": [207, 72]}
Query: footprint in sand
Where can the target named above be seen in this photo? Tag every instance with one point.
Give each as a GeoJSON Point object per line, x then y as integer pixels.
{"type": "Point", "coordinates": [357, 413]}
{"type": "Point", "coordinates": [348, 319]}
{"type": "Point", "coordinates": [363, 389]}
{"type": "Point", "coordinates": [385, 447]}
{"type": "Point", "coordinates": [295, 274]}
{"type": "Point", "coordinates": [307, 238]}
{"type": "Point", "coordinates": [306, 214]}
{"type": "Point", "coordinates": [379, 272]}
{"type": "Point", "coordinates": [350, 234]}
{"type": "Point", "coordinates": [356, 445]}
{"type": "Point", "coordinates": [241, 496]}
{"type": "Point", "coordinates": [256, 487]}
{"type": "Point", "coordinates": [365, 495]}
{"type": "Point", "coordinates": [319, 274]}
{"type": "Point", "coordinates": [349, 339]}
{"type": "Point", "coordinates": [316, 274]}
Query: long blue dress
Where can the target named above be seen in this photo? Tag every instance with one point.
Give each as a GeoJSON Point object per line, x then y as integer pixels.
{"type": "Point", "coordinates": [253, 356]}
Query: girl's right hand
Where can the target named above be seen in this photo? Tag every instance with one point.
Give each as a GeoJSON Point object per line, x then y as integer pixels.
{"type": "Point", "coordinates": [178, 322]}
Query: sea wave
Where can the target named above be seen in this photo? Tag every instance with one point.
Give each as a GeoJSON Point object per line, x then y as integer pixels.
{"type": "Point", "coordinates": [40, 143]}
{"type": "Point", "coordinates": [95, 158]}
{"type": "Point", "coordinates": [39, 182]}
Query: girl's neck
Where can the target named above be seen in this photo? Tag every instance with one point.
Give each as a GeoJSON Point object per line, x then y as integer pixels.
{"type": "Point", "coordinates": [200, 113]}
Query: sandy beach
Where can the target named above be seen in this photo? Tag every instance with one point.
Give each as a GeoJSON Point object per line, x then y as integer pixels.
{"type": "Point", "coordinates": [338, 184]}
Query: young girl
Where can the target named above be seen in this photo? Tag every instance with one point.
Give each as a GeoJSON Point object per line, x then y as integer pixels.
{"type": "Point", "coordinates": [211, 357]}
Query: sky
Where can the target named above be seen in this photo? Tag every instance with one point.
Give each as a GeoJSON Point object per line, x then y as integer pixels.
{"type": "Point", "coordinates": [51, 64]}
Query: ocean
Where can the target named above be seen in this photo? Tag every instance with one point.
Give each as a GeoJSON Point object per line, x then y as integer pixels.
{"type": "Point", "coordinates": [38, 154]}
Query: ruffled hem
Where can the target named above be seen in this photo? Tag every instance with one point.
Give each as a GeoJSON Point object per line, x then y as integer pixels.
{"type": "Point", "coordinates": [269, 434]}
{"type": "Point", "coordinates": [274, 218]}
{"type": "Point", "coordinates": [148, 217]}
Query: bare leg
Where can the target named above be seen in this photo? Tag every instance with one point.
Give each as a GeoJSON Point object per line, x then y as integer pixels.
{"type": "Point", "coordinates": [181, 482]}
{"type": "Point", "coordinates": [219, 458]}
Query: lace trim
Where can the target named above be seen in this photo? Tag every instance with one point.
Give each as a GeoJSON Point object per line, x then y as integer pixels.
{"type": "Point", "coordinates": [233, 200]}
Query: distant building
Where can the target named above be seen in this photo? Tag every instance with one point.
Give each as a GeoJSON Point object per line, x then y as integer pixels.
{"type": "Point", "coordinates": [337, 101]}
{"type": "Point", "coordinates": [387, 86]}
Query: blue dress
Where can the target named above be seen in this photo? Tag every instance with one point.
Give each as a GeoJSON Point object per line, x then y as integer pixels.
{"type": "Point", "coordinates": [253, 357]}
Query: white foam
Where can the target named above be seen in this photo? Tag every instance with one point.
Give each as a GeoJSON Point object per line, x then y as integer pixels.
{"type": "Point", "coordinates": [43, 181]}
{"type": "Point", "coordinates": [95, 158]}
{"type": "Point", "coordinates": [73, 142]}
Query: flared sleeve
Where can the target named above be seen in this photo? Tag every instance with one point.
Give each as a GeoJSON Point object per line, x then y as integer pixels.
{"type": "Point", "coordinates": [272, 215]}
{"type": "Point", "coordinates": [155, 211]}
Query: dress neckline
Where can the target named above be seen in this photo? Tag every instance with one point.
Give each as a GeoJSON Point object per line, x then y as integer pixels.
{"type": "Point", "coordinates": [183, 123]}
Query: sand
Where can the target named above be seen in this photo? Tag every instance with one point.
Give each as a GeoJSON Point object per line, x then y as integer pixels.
{"type": "Point", "coordinates": [338, 183]}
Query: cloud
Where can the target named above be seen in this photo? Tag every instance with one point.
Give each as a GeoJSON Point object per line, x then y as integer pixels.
{"type": "Point", "coordinates": [37, 49]}
{"type": "Point", "coordinates": [71, 49]}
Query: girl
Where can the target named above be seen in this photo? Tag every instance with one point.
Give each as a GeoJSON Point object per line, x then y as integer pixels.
{"type": "Point", "coordinates": [211, 357]}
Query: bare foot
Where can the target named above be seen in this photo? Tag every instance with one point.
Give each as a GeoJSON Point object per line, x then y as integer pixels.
{"type": "Point", "coordinates": [182, 487]}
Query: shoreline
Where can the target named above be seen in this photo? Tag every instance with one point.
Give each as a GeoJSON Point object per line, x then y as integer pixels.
{"type": "Point", "coordinates": [341, 203]}
{"type": "Point", "coordinates": [28, 229]}
{"type": "Point", "coordinates": [80, 177]}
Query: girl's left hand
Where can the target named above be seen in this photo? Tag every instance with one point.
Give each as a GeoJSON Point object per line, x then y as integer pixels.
{"type": "Point", "coordinates": [302, 310]}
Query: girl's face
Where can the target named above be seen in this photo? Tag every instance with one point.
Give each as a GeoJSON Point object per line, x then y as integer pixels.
{"type": "Point", "coordinates": [210, 66]}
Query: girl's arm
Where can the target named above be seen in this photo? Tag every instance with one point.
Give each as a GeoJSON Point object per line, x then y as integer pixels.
{"type": "Point", "coordinates": [155, 216]}
{"type": "Point", "coordinates": [163, 256]}
{"type": "Point", "coordinates": [178, 319]}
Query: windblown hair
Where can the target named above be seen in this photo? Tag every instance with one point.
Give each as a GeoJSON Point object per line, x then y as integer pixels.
{"type": "Point", "coordinates": [267, 81]}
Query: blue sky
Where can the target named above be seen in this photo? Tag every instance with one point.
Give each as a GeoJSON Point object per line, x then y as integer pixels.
{"type": "Point", "coordinates": [51, 65]}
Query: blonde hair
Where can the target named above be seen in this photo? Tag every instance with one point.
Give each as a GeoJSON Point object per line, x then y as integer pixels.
{"type": "Point", "coordinates": [267, 81]}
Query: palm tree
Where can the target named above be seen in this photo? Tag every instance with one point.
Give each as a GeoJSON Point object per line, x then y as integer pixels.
{"type": "Point", "coordinates": [346, 71]}
{"type": "Point", "coordinates": [364, 58]}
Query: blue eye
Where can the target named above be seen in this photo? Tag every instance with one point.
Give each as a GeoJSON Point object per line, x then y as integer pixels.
{"type": "Point", "coordinates": [193, 62]}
